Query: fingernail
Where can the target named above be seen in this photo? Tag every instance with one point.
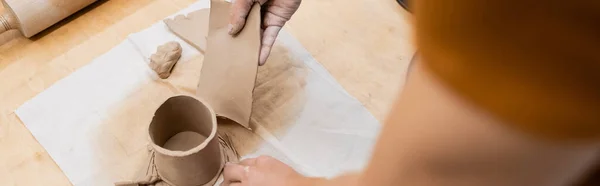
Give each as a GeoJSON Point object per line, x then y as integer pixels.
{"type": "Point", "coordinates": [230, 28]}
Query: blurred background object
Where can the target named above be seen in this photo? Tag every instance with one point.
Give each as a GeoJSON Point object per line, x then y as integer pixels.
{"type": "Point", "coordinates": [32, 16]}
{"type": "Point", "coordinates": [404, 4]}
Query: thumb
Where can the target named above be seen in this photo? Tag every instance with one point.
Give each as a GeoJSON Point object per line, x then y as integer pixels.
{"type": "Point", "coordinates": [237, 15]}
{"type": "Point", "coordinates": [234, 172]}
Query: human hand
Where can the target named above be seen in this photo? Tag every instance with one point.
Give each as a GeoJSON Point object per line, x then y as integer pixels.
{"type": "Point", "coordinates": [275, 14]}
{"type": "Point", "coordinates": [261, 171]}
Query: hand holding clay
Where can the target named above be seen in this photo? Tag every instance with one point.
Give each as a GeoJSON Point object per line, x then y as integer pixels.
{"type": "Point", "coordinates": [276, 14]}
{"type": "Point", "coordinates": [264, 171]}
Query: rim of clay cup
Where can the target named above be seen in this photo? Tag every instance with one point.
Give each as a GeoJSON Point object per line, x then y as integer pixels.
{"type": "Point", "coordinates": [196, 149]}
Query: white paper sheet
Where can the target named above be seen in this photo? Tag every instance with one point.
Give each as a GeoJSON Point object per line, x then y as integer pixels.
{"type": "Point", "coordinates": [332, 133]}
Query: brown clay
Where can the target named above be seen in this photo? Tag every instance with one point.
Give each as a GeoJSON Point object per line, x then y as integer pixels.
{"type": "Point", "coordinates": [192, 28]}
{"type": "Point", "coordinates": [165, 58]}
{"type": "Point", "coordinates": [184, 141]}
{"type": "Point", "coordinates": [186, 147]}
{"type": "Point", "coordinates": [230, 62]}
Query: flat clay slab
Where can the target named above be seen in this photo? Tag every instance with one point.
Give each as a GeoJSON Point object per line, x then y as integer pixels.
{"type": "Point", "coordinates": [192, 28]}
{"type": "Point", "coordinates": [230, 62]}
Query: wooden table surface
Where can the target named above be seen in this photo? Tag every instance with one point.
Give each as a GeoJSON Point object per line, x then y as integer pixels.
{"type": "Point", "coordinates": [365, 44]}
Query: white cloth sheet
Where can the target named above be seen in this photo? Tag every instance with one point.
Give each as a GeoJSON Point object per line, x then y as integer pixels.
{"type": "Point", "coordinates": [332, 134]}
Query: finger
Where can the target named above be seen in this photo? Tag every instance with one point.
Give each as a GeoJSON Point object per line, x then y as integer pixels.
{"type": "Point", "coordinates": [248, 162]}
{"type": "Point", "coordinates": [276, 14]}
{"type": "Point", "coordinates": [237, 15]}
{"type": "Point", "coordinates": [236, 184]}
{"type": "Point", "coordinates": [231, 184]}
{"type": "Point", "coordinates": [233, 172]}
{"type": "Point", "coordinates": [268, 39]}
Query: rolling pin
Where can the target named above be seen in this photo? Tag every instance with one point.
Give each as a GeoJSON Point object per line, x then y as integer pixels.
{"type": "Point", "coordinates": [33, 16]}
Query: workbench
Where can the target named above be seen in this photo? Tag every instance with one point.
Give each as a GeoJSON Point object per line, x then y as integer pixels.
{"type": "Point", "coordinates": [365, 44]}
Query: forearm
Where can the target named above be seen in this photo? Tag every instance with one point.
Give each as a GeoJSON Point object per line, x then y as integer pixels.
{"type": "Point", "coordinates": [434, 137]}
